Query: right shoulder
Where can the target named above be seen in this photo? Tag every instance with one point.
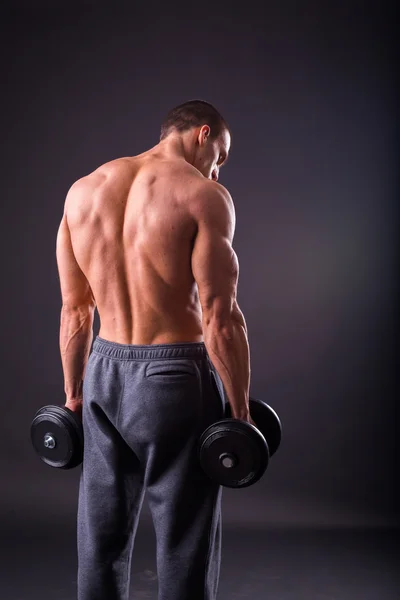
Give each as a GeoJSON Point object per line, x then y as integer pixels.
{"type": "Point", "coordinates": [211, 196]}
{"type": "Point", "coordinates": [212, 207]}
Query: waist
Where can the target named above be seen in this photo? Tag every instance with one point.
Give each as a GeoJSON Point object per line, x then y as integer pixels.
{"type": "Point", "coordinates": [149, 351]}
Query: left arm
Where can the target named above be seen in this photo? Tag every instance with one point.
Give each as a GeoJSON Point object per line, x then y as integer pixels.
{"type": "Point", "coordinates": [77, 316]}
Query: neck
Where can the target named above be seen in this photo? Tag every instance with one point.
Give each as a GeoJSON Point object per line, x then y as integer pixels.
{"type": "Point", "coordinates": [177, 146]}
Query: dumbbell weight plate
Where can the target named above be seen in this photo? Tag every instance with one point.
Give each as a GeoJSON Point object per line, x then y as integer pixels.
{"type": "Point", "coordinates": [57, 437]}
{"type": "Point", "coordinates": [233, 453]}
{"type": "Point", "coordinates": [266, 420]}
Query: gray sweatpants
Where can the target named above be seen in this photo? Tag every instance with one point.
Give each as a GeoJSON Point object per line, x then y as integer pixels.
{"type": "Point", "coordinates": [144, 408]}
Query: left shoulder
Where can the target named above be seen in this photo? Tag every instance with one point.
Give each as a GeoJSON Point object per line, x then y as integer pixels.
{"type": "Point", "coordinates": [82, 190]}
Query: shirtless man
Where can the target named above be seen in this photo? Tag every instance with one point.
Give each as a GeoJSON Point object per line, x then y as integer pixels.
{"type": "Point", "coordinates": [148, 241]}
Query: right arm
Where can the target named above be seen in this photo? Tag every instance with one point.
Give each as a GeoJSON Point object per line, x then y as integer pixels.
{"type": "Point", "coordinates": [215, 268]}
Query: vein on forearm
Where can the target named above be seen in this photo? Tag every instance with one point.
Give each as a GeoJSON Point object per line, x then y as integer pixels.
{"type": "Point", "coordinates": [76, 335]}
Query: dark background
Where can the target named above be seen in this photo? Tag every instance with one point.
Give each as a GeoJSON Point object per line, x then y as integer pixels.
{"type": "Point", "coordinates": [308, 90]}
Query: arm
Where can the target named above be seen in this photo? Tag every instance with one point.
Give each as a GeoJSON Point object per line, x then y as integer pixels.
{"type": "Point", "coordinates": [215, 268]}
{"type": "Point", "coordinates": [77, 316]}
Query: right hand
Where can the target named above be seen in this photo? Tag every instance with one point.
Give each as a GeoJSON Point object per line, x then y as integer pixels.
{"type": "Point", "coordinates": [250, 420]}
{"type": "Point", "coordinates": [246, 417]}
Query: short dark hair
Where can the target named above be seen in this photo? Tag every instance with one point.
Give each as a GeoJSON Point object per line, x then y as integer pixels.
{"type": "Point", "coordinates": [194, 113]}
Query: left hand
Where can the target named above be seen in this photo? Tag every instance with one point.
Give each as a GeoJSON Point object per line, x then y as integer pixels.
{"type": "Point", "coordinates": [75, 405]}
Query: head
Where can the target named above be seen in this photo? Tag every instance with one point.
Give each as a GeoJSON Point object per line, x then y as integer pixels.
{"type": "Point", "coordinates": [204, 135]}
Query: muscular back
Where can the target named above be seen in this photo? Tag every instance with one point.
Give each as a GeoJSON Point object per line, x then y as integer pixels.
{"type": "Point", "coordinates": [133, 227]}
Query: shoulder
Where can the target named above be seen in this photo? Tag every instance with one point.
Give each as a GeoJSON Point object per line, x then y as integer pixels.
{"type": "Point", "coordinates": [107, 175]}
{"type": "Point", "coordinates": [213, 210]}
{"type": "Point", "coordinates": [212, 198]}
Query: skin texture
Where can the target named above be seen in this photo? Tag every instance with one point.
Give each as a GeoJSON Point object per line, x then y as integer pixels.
{"type": "Point", "coordinates": [124, 246]}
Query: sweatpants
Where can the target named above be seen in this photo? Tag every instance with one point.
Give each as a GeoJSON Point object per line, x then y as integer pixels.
{"type": "Point", "coordinates": [144, 409]}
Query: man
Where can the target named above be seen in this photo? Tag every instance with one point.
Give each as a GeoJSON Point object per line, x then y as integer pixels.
{"type": "Point", "coordinates": [147, 240]}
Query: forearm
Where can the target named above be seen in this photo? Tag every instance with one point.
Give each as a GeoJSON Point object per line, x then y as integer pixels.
{"type": "Point", "coordinates": [76, 336]}
{"type": "Point", "coordinates": [229, 352]}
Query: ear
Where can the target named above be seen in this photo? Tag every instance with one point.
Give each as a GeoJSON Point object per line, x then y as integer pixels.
{"type": "Point", "coordinates": [204, 134]}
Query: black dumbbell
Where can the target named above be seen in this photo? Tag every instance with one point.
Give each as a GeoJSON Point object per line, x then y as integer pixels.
{"type": "Point", "coordinates": [236, 454]}
{"type": "Point", "coordinates": [57, 436]}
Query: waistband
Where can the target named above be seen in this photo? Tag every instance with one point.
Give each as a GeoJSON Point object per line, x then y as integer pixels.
{"type": "Point", "coordinates": [149, 352]}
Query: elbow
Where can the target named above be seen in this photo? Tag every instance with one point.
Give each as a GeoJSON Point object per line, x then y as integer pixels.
{"type": "Point", "coordinates": [223, 318]}
{"type": "Point", "coordinates": [219, 324]}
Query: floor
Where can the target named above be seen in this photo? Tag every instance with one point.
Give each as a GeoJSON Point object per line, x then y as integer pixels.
{"type": "Point", "coordinates": [40, 562]}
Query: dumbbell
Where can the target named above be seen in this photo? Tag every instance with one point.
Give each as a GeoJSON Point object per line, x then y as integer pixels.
{"type": "Point", "coordinates": [236, 454]}
{"type": "Point", "coordinates": [232, 452]}
{"type": "Point", "coordinates": [57, 436]}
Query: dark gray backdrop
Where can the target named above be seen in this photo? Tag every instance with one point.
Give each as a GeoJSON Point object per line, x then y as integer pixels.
{"type": "Point", "coordinates": [308, 89]}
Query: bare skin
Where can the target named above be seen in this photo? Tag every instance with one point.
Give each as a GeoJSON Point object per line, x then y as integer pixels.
{"type": "Point", "coordinates": [133, 230]}
{"type": "Point", "coordinates": [132, 238]}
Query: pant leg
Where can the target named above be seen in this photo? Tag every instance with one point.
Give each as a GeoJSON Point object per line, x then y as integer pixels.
{"type": "Point", "coordinates": [173, 409]}
{"type": "Point", "coordinates": [187, 521]}
{"type": "Point", "coordinates": [111, 488]}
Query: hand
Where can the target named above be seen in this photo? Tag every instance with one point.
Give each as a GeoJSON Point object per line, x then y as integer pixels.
{"type": "Point", "coordinates": [75, 405]}
{"type": "Point", "coordinates": [245, 417]}
{"type": "Point", "coordinates": [250, 420]}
